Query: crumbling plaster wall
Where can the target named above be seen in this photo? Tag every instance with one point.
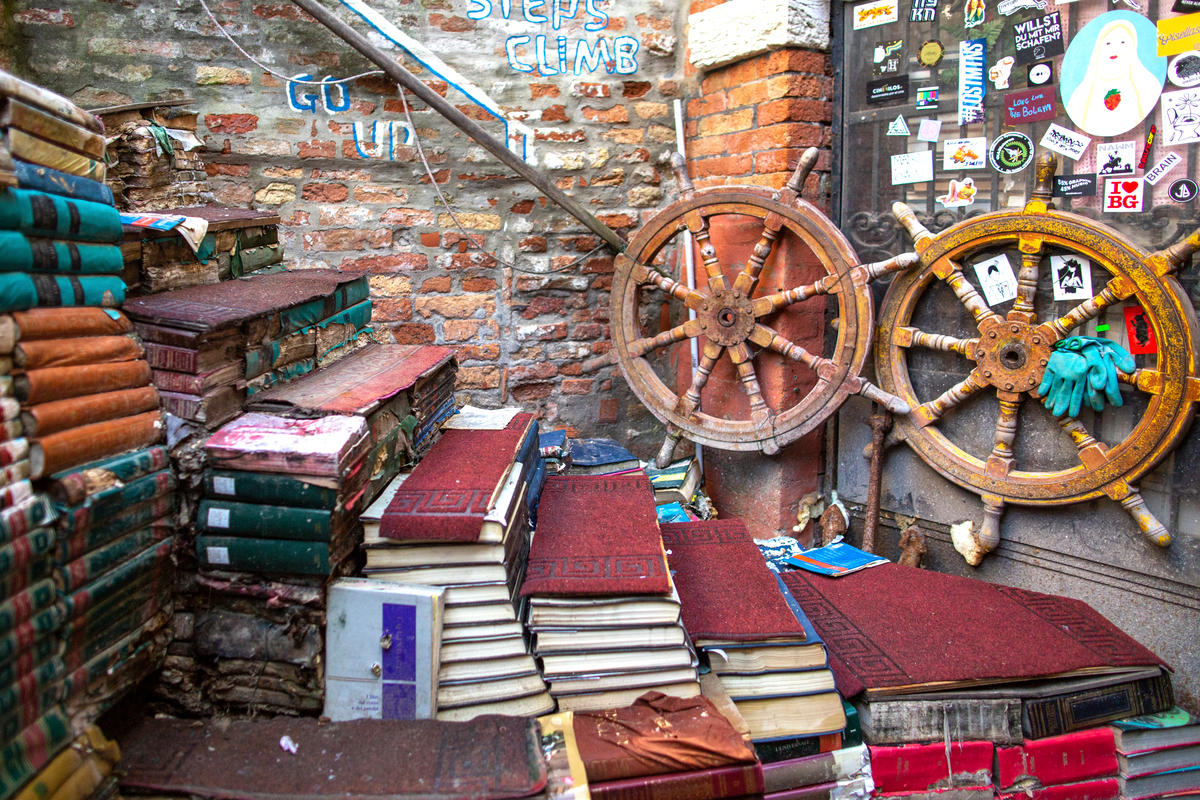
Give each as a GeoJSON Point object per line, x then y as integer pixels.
{"type": "Point", "coordinates": [352, 194]}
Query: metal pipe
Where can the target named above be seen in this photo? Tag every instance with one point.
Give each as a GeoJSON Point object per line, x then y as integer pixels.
{"type": "Point", "coordinates": [395, 71]}
{"type": "Point", "coordinates": [689, 264]}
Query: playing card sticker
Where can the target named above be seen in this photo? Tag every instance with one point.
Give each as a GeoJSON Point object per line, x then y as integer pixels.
{"type": "Point", "coordinates": [997, 280]}
{"type": "Point", "coordinates": [1001, 71]}
{"type": "Point", "coordinates": [961, 193]}
{"type": "Point", "coordinates": [1078, 185]}
{"type": "Point", "coordinates": [1139, 331]}
{"type": "Point", "coordinates": [887, 57]}
{"type": "Point", "coordinates": [972, 57]}
{"type": "Point", "coordinates": [1116, 158]}
{"type": "Point", "coordinates": [1011, 152]}
{"type": "Point", "coordinates": [1159, 171]}
{"type": "Point", "coordinates": [927, 99]}
{"type": "Point", "coordinates": [923, 11]}
{"type": "Point", "coordinates": [898, 127]}
{"type": "Point", "coordinates": [1122, 195]}
{"type": "Point", "coordinates": [912, 167]}
{"type": "Point", "coordinates": [1066, 142]}
{"type": "Point", "coordinates": [1071, 276]}
{"type": "Point", "coordinates": [930, 130]}
{"type": "Point", "coordinates": [1181, 117]}
{"type": "Point", "coordinates": [880, 12]}
{"type": "Point", "coordinates": [964, 153]}
{"type": "Point", "coordinates": [1038, 39]}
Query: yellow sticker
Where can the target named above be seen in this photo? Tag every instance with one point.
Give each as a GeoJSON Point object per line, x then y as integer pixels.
{"type": "Point", "coordinates": [1178, 34]}
{"type": "Point", "coordinates": [931, 52]}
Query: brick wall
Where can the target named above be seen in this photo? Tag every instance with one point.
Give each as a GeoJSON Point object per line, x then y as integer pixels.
{"type": "Point", "coordinates": [604, 137]}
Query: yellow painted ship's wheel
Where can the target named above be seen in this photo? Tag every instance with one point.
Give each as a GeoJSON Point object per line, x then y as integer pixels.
{"type": "Point", "coordinates": [1010, 354]}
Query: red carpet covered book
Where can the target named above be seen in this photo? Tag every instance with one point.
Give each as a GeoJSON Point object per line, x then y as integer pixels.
{"type": "Point", "coordinates": [943, 632]}
{"type": "Point", "coordinates": [447, 496]}
{"type": "Point", "coordinates": [597, 535]}
{"type": "Point", "coordinates": [726, 591]}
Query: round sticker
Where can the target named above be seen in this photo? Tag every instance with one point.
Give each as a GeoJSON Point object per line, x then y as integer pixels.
{"type": "Point", "coordinates": [1011, 152]}
{"type": "Point", "coordinates": [931, 52]}
{"type": "Point", "coordinates": [1040, 74]}
{"type": "Point", "coordinates": [1184, 71]}
{"type": "Point", "coordinates": [1183, 190]}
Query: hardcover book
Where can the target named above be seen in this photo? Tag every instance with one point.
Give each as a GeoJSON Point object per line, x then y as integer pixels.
{"type": "Point", "coordinates": [706, 784]}
{"type": "Point", "coordinates": [325, 446]}
{"type": "Point", "coordinates": [60, 323]}
{"type": "Point", "coordinates": [24, 755]}
{"type": "Point", "coordinates": [73, 487]}
{"type": "Point", "coordinates": [923, 768]}
{"type": "Point", "coordinates": [795, 773]}
{"type": "Point", "coordinates": [1078, 756]}
{"type": "Point", "coordinates": [60, 383]}
{"type": "Point", "coordinates": [1100, 789]}
{"type": "Point", "coordinates": [43, 353]}
{"type": "Point", "coordinates": [1172, 728]}
{"type": "Point", "coordinates": [20, 291]}
{"type": "Point", "coordinates": [246, 554]}
{"type": "Point", "coordinates": [45, 179]}
{"type": "Point", "coordinates": [61, 415]}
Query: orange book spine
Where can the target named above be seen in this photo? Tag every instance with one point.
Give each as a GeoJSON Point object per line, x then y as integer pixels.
{"type": "Point", "coordinates": [61, 383]}
{"type": "Point", "coordinates": [65, 323]}
{"type": "Point", "coordinates": [44, 353]}
{"type": "Point", "coordinates": [71, 448]}
{"type": "Point", "coordinates": [61, 415]}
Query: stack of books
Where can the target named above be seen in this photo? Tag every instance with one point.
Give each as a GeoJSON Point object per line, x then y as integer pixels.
{"type": "Point", "coordinates": [600, 602]}
{"type": "Point", "coordinates": [84, 386]}
{"type": "Point", "coordinates": [1077, 766]}
{"type": "Point", "coordinates": [824, 776]}
{"type": "Point", "coordinates": [600, 457]}
{"type": "Point", "coordinates": [677, 483]}
{"type": "Point", "coordinates": [1158, 755]}
{"type": "Point", "coordinates": [432, 404]}
{"type": "Point", "coordinates": [148, 176]}
{"type": "Point", "coordinates": [459, 521]}
{"type": "Point", "coordinates": [84, 770]}
{"type": "Point", "coordinates": [114, 569]}
{"type": "Point", "coordinates": [380, 384]}
{"type": "Point", "coordinates": [770, 662]}
{"type": "Point", "coordinates": [48, 130]}
{"type": "Point", "coordinates": [950, 770]}
{"type": "Point", "coordinates": [200, 341]}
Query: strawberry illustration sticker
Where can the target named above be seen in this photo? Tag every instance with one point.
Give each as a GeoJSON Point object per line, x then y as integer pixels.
{"type": "Point", "coordinates": [1123, 195]}
{"type": "Point", "coordinates": [1139, 332]}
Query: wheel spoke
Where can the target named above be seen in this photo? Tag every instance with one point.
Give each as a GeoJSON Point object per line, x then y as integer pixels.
{"type": "Point", "coordinates": [764, 336]}
{"type": "Point", "coordinates": [747, 279]}
{"type": "Point", "coordinates": [968, 296]}
{"type": "Point", "coordinates": [1001, 460]}
{"type": "Point", "coordinates": [698, 225]}
{"type": "Point", "coordinates": [740, 354]}
{"type": "Point", "coordinates": [689, 329]}
{"type": "Point", "coordinates": [909, 337]}
{"type": "Point", "coordinates": [764, 306]}
{"type": "Point", "coordinates": [1088, 309]}
{"type": "Point", "coordinates": [928, 413]}
{"type": "Point", "coordinates": [1027, 280]}
{"type": "Point", "coordinates": [690, 297]}
{"type": "Point", "coordinates": [691, 400]}
{"type": "Point", "coordinates": [663, 459]}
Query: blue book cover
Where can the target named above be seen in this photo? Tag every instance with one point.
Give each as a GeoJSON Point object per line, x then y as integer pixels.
{"type": "Point", "coordinates": [556, 438]}
{"type": "Point", "coordinates": [810, 633]}
{"type": "Point", "coordinates": [51, 181]}
{"type": "Point", "coordinates": [534, 494]}
{"type": "Point", "coordinates": [595, 454]}
{"type": "Point", "coordinates": [672, 512]}
{"type": "Point", "coordinates": [835, 560]}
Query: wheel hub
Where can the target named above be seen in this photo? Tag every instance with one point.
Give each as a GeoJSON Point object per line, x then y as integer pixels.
{"type": "Point", "coordinates": [1012, 356]}
{"type": "Point", "coordinates": [726, 316]}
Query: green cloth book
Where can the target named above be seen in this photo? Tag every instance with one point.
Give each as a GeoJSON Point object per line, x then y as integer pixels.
{"type": "Point", "coordinates": [28, 633]}
{"type": "Point", "coordinates": [94, 564]}
{"type": "Point", "coordinates": [93, 536]}
{"type": "Point", "coordinates": [21, 607]}
{"type": "Point", "coordinates": [22, 519]}
{"type": "Point", "coordinates": [270, 488]}
{"type": "Point", "coordinates": [24, 550]}
{"type": "Point", "coordinates": [32, 749]}
{"type": "Point", "coordinates": [244, 554]}
{"type": "Point", "coordinates": [225, 518]}
{"type": "Point", "coordinates": [113, 581]}
{"type": "Point", "coordinates": [85, 638]}
{"type": "Point", "coordinates": [312, 312]}
{"type": "Point", "coordinates": [29, 254]}
{"type": "Point", "coordinates": [262, 359]}
{"type": "Point", "coordinates": [20, 291]}
{"type": "Point", "coordinates": [31, 573]}
{"type": "Point", "coordinates": [40, 214]}
{"type": "Point", "coordinates": [21, 703]}
{"type": "Point", "coordinates": [41, 655]}
{"type": "Point", "coordinates": [112, 502]}
{"type": "Point", "coordinates": [70, 488]}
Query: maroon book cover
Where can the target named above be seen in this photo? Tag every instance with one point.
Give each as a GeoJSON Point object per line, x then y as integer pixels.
{"type": "Point", "coordinates": [1074, 757]}
{"type": "Point", "coordinates": [706, 784]}
{"type": "Point", "coordinates": [1101, 789]}
{"type": "Point", "coordinates": [726, 591]}
{"type": "Point", "coordinates": [450, 492]}
{"type": "Point", "coordinates": [656, 735]}
{"type": "Point", "coordinates": [986, 632]}
{"type": "Point", "coordinates": [926, 767]}
{"type": "Point", "coordinates": [597, 535]}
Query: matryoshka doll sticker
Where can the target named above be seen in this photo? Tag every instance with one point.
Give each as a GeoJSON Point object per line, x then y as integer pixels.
{"type": "Point", "coordinates": [1111, 76]}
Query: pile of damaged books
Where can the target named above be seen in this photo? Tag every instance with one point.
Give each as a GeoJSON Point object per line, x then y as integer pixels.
{"type": "Point", "coordinates": [47, 130]}
{"type": "Point", "coordinates": [215, 344]}
{"type": "Point", "coordinates": [82, 771]}
{"type": "Point", "coordinates": [156, 157]}
{"type": "Point", "coordinates": [475, 547]}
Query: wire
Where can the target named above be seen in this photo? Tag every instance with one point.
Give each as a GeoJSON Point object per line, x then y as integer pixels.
{"type": "Point", "coordinates": [265, 68]}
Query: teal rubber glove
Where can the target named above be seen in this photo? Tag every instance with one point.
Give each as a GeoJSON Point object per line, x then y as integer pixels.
{"type": "Point", "coordinates": [1083, 368]}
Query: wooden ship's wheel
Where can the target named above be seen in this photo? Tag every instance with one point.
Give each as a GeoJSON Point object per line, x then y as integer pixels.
{"type": "Point", "coordinates": [731, 321]}
{"type": "Point", "coordinates": [1010, 354]}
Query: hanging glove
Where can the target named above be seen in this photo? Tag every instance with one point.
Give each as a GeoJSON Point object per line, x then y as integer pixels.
{"type": "Point", "coordinates": [1083, 367]}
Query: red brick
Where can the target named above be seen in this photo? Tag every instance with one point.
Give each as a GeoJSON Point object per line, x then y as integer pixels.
{"type": "Point", "coordinates": [607, 115]}
{"type": "Point", "coordinates": [703, 5]}
{"type": "Point", "coordinates": [231, 123]}
{"type": "Point", "coordinates": [555, 114]}
{"type": "Point", "coordinates": [376, 84]}
{"type": "Point", "coordinates": [464, 330]}
{"type": "Point", "coordinates": [439, 284]}
{"type": "Point", "coordinates": [727, 123]}
{"type": "Point", "coordinates": [793, 85]}
{"type": "Point", "coordinates": [635, 89]}
{"type": "Point", "coordinates": [407, 217]}
{"type": "Point", "coordinates": [413, 333]}
{"type": "Point", "coordinates": [234, 170]}
{"type": "Point", "coordinates": [607, 413]}
{"type": "Point", "coordinates": [797, 61]}
{"type": "Point", "coordinates": [542, 333]}
{"type": "Point", "coordinates": [477, 352]}
{"type": "Point", "coordinates": [537, 90]}
{"type": "Point", "coordinates": [723, 165]}
{"type": "Point", "coordinates": [388, 309]}
{"type": "Point", "coordinates": [580, 244]}
{"type": "Point", "coordinates": [775, 137]}
{"type": "Point", "coordinates": [534, 391]}
{"type": "Point", "coordinates": [430, 239]}
{"type": "Point", "coordinates": [603, 266]}
{"type": "Point", "coordinates": [281, 11]}
{"type": "Point", "coordinates": [452, 24]}
{"type": "Point", "coordinates": [542, 135]}
{"type": "Point", "coordinates": [707, 146]}
{"type": "Point", "coordinates": [776, 161]}
{"type": "Point", "coordinates": [544, 305]}
{"type": "Point", "coordinates": [531, 374]}
{"type": "Point", "coordinates": [571, 369]}
{"type": "Point", "coordinates": [668, 88]}
{"type": "Point", "coordinates": [325, 192]}
{"type": "Point", "coordinates": [45, 16]}
{"type": "Point", "coordinates": [533, 244]}
{"type": "Point", "coordinates": [479, 285]}
{"type": "Point", "coordinates": [465, 261]}
{"type": "Point", "coordinates": [393, 262]}
{"type": "Point", "coordinates": [374, 193]}
{"type": "Point", "coordinates": [577, 386]}
{"type": "Point", "coordinates": [478, 378]}
{"type": "Point", "coordinates": [587, 332]}
{"type": "Point", "coordinates": [708, 104]}
{"type": "Point", "coordinates": [458, 307]}
{"type": "Point", "coordinates": [591, 90]}
{"type": "Point", "coordinates": [617, 221]}
{"type": "Point", "coordinates": [750, 94]}
{"type": "Point", "coordinates": [794, 110]}
{"type": "Point", "coordinates": [316, 149]}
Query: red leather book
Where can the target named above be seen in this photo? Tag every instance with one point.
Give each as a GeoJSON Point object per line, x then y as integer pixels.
{"type": "Point", "coordinates": [450, 492]}
{"type": "Point", "coordinates": [924, 767]}
{"type": "Point", "coordinates": [1102, 789]}
{"type": "Point", "coordinates": [705, 784]}
{"type": "Point", "coordinates": [993, 634]}
{"type": "Point", "coordinates": [1074, 757]}
{"type": "Point", "coordinates": [326, 446]}
{"type": "Point", "coordinates": [597, 535]}
{"type": "Point", "coordinates": [726, 592]}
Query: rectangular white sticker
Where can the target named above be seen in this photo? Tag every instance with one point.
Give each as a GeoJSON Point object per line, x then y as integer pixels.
{"type": "Point", "coordinates": [218, 518]}
{"type": "Point", "coordinates": [1123, 194]}
{"type": "Point", "coordinates": [217, 555]}
{"type": "Point", "coordinates": [964, 153]}
{"type": "Point", "coordinates": [1181, 117]}
{"type": "Point", "coordinates": [1071, 276]}
{"type": "Point", "coordinates": [1159, 171]}
{"type": "Point", "coordinates": [1066, 142]}
{"type": "Point", "coordinates": [880, 12]}
{"type": "Point", "coordinates": [1116, 158]}
{"type": "Point", "coordinates": [912, 167]}
{"type": "Point", "coordinates": [224, 485]}
{"type": "Point", "coordinates": [997, 280]}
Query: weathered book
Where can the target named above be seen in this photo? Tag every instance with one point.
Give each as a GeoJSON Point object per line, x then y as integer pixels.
{"type": "Point", "coordinates": [46, 100]}
{"type": "Point", "coordinates": [309, 342]}
{"type": "Point", "coordinates": [578, 553]}
{"type": "Point", "coordinates": [117, 498]}
{"type": "Point", "coordinates": [410, 617]}
{"type": "Point", "coordinates": [14, 451]}
{"type": "Point", "coordinates": [838, 765]}
{"type": "Point", "coordinates": [44, 179]}
{"type": "Point", "coordinates": [327, 446]}
{"type": "Point", "coordinates": [43, 353]}
{"type": "Point", "coordinates": [786, 717]}
{"type": "Point", "coordinates": [42, 660]}
{"type": "Point", "coordinates": [109, 584]}
{"type": "Point", "coordinates": [1100, 789]}
{"type": "Point", "coordinates": [600, 457]}
{"type": "Point", "coordinates": [60, 415]}
{"type": "Point", "coordinates": [1174, 728]}
{"type": "Point", "coordinates": [246, 554]}
{"type": "Point", "coordinates": [20, 291]}
{"type": "Point", "coordinates": [226, 518]}
{"type": "Point", "coordinates": [15, 114]}
{"type": "Point", "coordinates": [214, 407]}
{"type": "Point", "coordinates": [1078, 756]}
{"type": "Point", "coordinates": [24, 755]}
{"type": "Point", "coordinates": [195, 359]}
{"type": "Point", "coordinates": [199, 383]}
{"type": "Point", "coordinates": [59, 771]}
{"type": "Point", "coordinates": [88, 567]}
{"type": "Point", "coordinates": [38, 151]}
{"type": "Point", "coordinates": [277, 376]}
{"type": "Point", "coordinates": [60, 323]}
{"type": "Point", "coordinates": [901, 721]}
{"type": "Point", "coordinates": [121, 614]}
{"type": "Point", "coordinates": [657, 735]}
{"type": "Point", "coordinates": [24, 636]}
{"type": "Point", "coordinates": [22, 577]}
{"type": "Point", "coordinates": [300, 491]}
{"type": "Point", "coordinates": [33, 694]}
{"type": "Point", "coordinates": [707, 784]}
{"type": "Point", "coordinates": [1176, 758]}
{"type": "Point", "coordinates": [24, 550]}
{"type": "Point", "coordinates": [23, 606]}
{"type": "Point", "coordinates": [29, 254]}
{"type": "Point", "coordinates": [927, 767]}
{"type": "Point", "coordinates": [22, 518]}
{"type": "Point", "coordinates": [1076, 710]}
{"type": "Point", "coordinates": [78, 446]}
{"type": "Point", "coordinates": [774, 750]}
{"type": "Point", "coordinates": [14, 493]}
{"type": "Point", "coordinates": [83, 535]}
{"type": "Point", "coordinates": [61, 383]}
{"type": "Point", "coordinates": [48, 216]}
{"type": "Point", "coordinates": [1059, 636]}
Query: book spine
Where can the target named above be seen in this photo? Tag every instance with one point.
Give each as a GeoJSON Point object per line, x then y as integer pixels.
{"type": "Point", "coordinates": [709, 784]}
{"type": "Point", "coordinates": [83, 538]}
{"type": "Point", "coordinates": [94, 564]}
{"type": "Point", "coordinates": [899, 722]}
{"type": "Point", "coordinates": [48, 101]}
{"type": "Point", "coordinates": [52, 181]}
{"type": "Point", "coordinates": [262, 256]}
{"type": "Point", "coordinates": [922, 768]}
{"type": "Point", "coordinates": [306, 314]}
{"type": "Point", "coordinates": [14, 451]}
{"type": "Point", "coordinates": [176, 359]}
{"type": "Point", "coordinates": [53, 129]}
{"type": "Point", "coordinates": [1059, 759]}
{"type": "Point", "coordinates": [20, 291]}
{"type": "Point", "coordinates": [224, 518]}
{"type": "Point", "coordinates": [19, 579]}
{"type": "Point", "coordinates": [14, 493]}
{"type": "Point", "coordinates": [262, 555]}
{"type": "Point", "coordinates": [38, 660]}
{"type": "Point", "coordinates": [69, 323]}
{"type": "Point", "coordinates": [21, 519]}
{"type": "Point", "coordinates": [1102, 789]}
{"type": "Point", "coordinates": [46, 215]}
{"type": "Point", "coordinates": [111, 582]}
{"type": "Point", "coordinates": [32, 748]}
{"type": "Point", "coordinates": [44, 353]}
{"type": "Point", "coordinates": [23, 637]}
{"type": "Point", "coordinates": [820, 768]}
{"type": "Point", "coordinates": [268, 488]}
{"type": "Point", "coordinates": [73, 487]}
{"type": "Point", "coordinates": [1055, 716]}
{"type": "Point", "coordinates": [61, 383]}
{"type": "Point", "coordinates": [18, 609]}
{"type": "Point", "coordinates": [21, 552]}
{"type": "Point", "coordinates": [117, 499]}
{"type": "Point", "coordinates": [38, 151]}
{"type": "Point", "coordinates": [34, 254]}
{"type": "Point", "coordinates": [61, 415]}
{"type": "Point", "coordinates": [77, 446]}
{"type": "Point", "coordinates": [90, 637]}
